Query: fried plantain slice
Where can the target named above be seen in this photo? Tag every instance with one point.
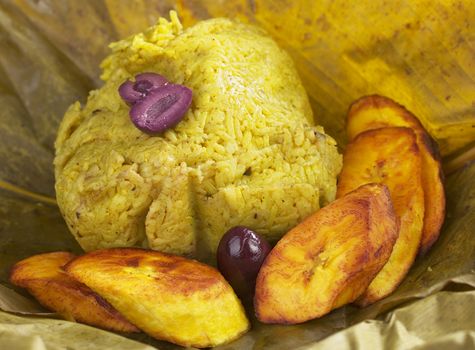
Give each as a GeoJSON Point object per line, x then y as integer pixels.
{"type": "Point", "coordinates": [372, 112]}
{"type": "Point", "coordinates": [43, 277]}
{"type": "Point", "coordinates": [329, 259]}
{"type": "Point", "coordinates": [390, 156]}
{"type": "Point", "coordinates": [169, 297]}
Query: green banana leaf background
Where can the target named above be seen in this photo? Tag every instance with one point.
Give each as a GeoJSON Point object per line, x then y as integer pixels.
{"type": "Point", "coordinates": [420, 53]}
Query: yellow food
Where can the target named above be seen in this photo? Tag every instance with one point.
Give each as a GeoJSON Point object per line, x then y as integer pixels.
{"type": "Point", "coordinates": [329, 259]}
{"type": "Point", "coordinates": [374, 112]}
{"type": "Point", "coordinates": [389, 156]}
{"type": "Point", "coordinates": [247, 152]}
{"type": "Point", "coordinates": [418, 52]}
{"type": "Point", "coordinates": [43, 277]}
{"type": "Point", "coordinates": [168, 297]}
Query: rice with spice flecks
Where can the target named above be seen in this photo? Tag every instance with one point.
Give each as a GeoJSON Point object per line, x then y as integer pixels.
{"type": "Point", "coordinates": [246, 153]}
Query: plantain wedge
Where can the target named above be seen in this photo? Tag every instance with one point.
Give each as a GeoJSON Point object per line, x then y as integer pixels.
{"type": "Point", "coordinates": [374, 112]}
{"type": "Point", "coordinates": [390, 156]}
{"type": "Point", "coordinates": [43, 277]}
{"type": "Point", "coordinates": [329, 259]}
{"type": "Point", "coordinates": [168, 297]}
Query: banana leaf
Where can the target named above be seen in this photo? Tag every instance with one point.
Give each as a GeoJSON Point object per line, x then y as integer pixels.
{"type": "Point", "coordinates": [420, 53]}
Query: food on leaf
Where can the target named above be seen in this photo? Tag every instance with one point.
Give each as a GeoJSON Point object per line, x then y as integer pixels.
{"type": "Point", "coordinates": [43, 277]}
{"type": "Point", "coordinates": [168, 297]}
{"type": "Point", "coordinates": [329, 259]}
{"type": "Point", "coordinates": [247, 150]}
{"type": "Point", "coordinates": [375, 111]}
{"type": "Point", "coordinates": [240, 255]}
{"type": "Point", "coordinates": [389, 156]}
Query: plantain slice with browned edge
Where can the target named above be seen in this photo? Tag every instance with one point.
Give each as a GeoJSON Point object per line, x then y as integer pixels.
{"type": "Point", "coordinates": [43, 277]}
{"type": "Point", "coordinates": [389, 156]}
{"type": "Point", "coordinates": [372, 112]}
{"type": "Point", "coordinates": [329, 259]}
{"type": "Point", "coordinates": [169, 297]}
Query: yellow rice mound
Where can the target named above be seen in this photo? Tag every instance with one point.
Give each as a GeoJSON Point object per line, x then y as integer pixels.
{"type": "Point", "coordinates": [246, 153]}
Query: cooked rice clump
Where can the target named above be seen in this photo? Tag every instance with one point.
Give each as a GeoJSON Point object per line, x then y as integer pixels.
{"type": "Point", "coordinates": [246, 153]}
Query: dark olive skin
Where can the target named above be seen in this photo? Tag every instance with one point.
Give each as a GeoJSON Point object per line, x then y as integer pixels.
{"type": "Point", "coordinates": [132, 92]}
{"type": "Point", "coordinates": [240, 255]}
{"type": "Point", "coordinates": [156, 104]}
{"type": "Point", "coordinates": [161, 109]}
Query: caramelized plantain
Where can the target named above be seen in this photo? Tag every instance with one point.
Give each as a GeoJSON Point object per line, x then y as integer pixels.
{"type": "Point", "coordinates": [329, 259]}
{"type": "Point", "coordinates": [374, 112]}
{"type": "Point", "coordinates": [43, 277]}
{"type": "Point", "coordinates": [390, 156]}
{"type": "Point", "coordinates": [169, 297]}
